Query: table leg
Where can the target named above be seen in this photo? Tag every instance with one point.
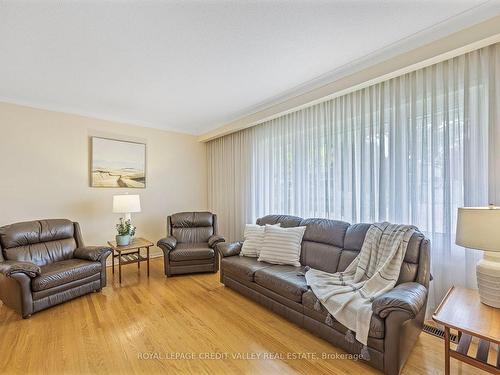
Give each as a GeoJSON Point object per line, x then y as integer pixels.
{"type": "Point", "coordinates": [120, 267]}
{"type": "Point", "coordinates": [139, 259]}
{"type": "Point", "coordinates": [113, 261]}
{"type": "Point", "coordinates": [147, 257]}
{"type": "Point", "coordinates": [447, 350]}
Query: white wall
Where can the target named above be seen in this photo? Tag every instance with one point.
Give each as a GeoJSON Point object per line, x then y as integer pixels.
{"type": "Point", "coordinates": [44, 173]}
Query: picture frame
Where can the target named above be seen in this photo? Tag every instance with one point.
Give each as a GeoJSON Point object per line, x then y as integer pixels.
{"type": "Point", "coordinates": [116, 163]}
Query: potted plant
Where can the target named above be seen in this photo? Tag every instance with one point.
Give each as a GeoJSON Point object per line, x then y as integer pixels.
{"type": "Point", "coordinates": [125, 232]}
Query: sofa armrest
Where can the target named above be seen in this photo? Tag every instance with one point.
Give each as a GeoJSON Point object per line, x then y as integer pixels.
{"type": "Point", "coordinates": [407, 297]}
{"type": "Point", "coordinates": [167, 244]}
{"type": "Point", "coordinates": [93, 253]}
{"type": "Point", "coordinates": [227, 249]}
{"type": "Point", "coordinates": [214, 240]}
{"type": "Point", "coordinates": [11, 267]}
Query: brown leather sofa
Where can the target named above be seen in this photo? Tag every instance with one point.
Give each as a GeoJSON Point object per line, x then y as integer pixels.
{"type": "Point", "coordinates": [190, 245]}
{"type": "Point", "coordinates": [44, 263]}
{"type": "Point", "coordinates": [331, 246]}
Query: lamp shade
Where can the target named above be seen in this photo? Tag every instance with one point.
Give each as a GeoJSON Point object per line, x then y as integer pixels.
{"type": "Point", "coordinates": [126, 203]}
{"type": "Point", "coordinates": [479, 228]}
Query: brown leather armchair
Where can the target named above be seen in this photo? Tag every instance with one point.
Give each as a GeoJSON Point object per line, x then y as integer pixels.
{"type": "Point", "coordinates": [190, 245]}
{"type": "Point", "coordinates": [44, 263]}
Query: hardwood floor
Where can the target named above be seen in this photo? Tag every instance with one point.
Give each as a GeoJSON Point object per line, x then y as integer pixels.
{"type": "Point", "coordinates": [140, 326]}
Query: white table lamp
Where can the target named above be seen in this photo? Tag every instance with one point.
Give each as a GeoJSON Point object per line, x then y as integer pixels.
{"type": "Point", "coordinates": [479, 228]}
{"type": "Point", "coordinates": [126, 204]}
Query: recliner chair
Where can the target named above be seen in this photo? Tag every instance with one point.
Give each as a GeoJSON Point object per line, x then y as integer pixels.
{"type": "Point", "coordinates": [44, 263]}
{"type": "Point", "coordinates": [190, 245]}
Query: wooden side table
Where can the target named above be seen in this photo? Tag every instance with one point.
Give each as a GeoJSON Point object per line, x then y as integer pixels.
{"type": "Point", "coordinates": [130, 254]}
{"type": "Point", "coordinates": [462, 311]}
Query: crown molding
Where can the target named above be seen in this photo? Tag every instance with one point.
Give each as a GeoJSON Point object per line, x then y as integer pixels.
{"type": "Point", "coordinates": [438, 43]}
{"type": "Point", "coordinates": [91, 115]}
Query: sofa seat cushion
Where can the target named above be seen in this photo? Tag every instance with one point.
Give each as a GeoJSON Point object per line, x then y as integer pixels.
{"type": "Point", "coordinates": [243, 268]}
{"type": "Point", "coordinates": [191, 251]}
{"type": "Point", "coordinates": [377, 324]}
{"type": "Point", "coordinates": [287, 281]}
{"type": "Point", "coordinates": [64, 271]}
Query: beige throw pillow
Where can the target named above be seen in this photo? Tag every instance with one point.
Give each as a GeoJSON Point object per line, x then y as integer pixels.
{"type": "Point", "coordinates": [282, 245]}
{"type": "Point", "coordinates": [253, 239]}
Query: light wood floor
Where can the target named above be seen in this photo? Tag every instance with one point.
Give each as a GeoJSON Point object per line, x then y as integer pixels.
{"type": "Point", "coordinates": [192, 315]}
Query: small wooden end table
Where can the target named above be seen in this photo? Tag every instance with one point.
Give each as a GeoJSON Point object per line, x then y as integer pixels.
{"type": "Point", "coordinates": [462, 310]}
{"type": "Point", "coordinates": [130, 254]}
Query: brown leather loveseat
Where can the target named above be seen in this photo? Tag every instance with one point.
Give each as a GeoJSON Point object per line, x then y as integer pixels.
{"type": "Point", "coordinates": [331, 246]}
{"type": "Point", "coordinates": [44, 263]}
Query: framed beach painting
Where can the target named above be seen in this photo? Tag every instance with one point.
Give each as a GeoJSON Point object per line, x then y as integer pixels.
{"type": "Point", "coordinates": [117, 164]}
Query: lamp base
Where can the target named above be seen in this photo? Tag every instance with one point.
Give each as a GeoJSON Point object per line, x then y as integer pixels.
{"type": "Point", "coordinates": [488, 278]}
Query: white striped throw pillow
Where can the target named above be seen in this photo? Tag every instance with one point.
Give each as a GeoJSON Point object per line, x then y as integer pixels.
{"type": "Point", "coordinates": [253, 240]}
{"type": "Point", "coordinates": [282, 245]}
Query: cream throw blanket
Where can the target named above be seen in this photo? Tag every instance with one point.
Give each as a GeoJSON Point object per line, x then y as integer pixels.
{"type": "Point", "coordinates": [348, 295]}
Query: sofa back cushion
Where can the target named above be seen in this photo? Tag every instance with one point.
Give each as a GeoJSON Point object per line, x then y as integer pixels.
{"type": "Point", "coordinates": [410, 266]}
{"type": "Point", "coordinates": [41, 242]}
{"type": "Point", "coordinates": [355, 237]}
{"type": "Point", "coordinates": [322, 243]}
{"type": "Point", "coordinates": [286, 221]}
{"type": "Point", "coordinates": [192, 227]}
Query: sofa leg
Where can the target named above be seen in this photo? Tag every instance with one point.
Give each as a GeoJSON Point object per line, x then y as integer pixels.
{"type": "Point", "coordinates": [27, 316]}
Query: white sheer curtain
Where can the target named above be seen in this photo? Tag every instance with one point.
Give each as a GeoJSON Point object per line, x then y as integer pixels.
{"type": "Point", "coordinates": [408, 150]}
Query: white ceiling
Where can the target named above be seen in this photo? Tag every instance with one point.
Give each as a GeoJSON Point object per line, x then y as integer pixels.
{"type": "Point", "coordinates": [192, 66]}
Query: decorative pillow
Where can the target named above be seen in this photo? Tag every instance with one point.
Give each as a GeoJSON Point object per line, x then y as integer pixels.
{"type": "Point", "coordinates": [282, 245]}
{"type": "Point", "coordinates": [254, 237]}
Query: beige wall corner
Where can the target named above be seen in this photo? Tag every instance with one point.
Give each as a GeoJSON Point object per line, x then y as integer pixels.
{"type": "Point", "coordinates": [44, 163]}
